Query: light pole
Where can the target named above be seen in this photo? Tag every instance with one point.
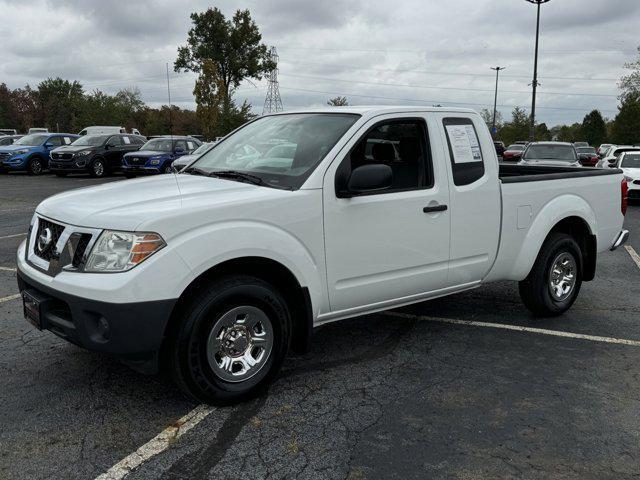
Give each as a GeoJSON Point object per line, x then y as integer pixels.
{"type": "Point", "coordinates": [495, 99]}
{"type": "Point", "coordinates": [532, 133]}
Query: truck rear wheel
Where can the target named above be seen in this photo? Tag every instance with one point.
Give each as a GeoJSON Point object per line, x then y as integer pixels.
{"type": "Point", "coordinates": [555, 279]}
{"type": "Point", "coordinates": [230, 340]}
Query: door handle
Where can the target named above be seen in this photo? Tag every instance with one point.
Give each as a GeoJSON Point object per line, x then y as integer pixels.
{"type": "Point", "coordinates": [435, 208]}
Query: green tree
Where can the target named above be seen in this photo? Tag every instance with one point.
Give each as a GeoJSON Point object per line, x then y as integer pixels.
{"type": "Point", "coordinates": [223, 53]}
{"type": "Point", "coordinates": [626, 125]}
{"type": "Point", "coordinates": [594, 128]}
{"type": "Point", "coordinates": [517, 128]}
{"type": "Point", "coordinates": [487, 116]}
{"type": "Point", "coordinates": [630, 84]}
{"type": "Point", "coordinates": [338, 102]}
{"type": "Point", "coordinates": [60, 102]}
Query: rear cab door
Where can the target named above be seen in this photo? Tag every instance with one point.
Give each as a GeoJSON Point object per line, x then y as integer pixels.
{"type": "Point", "coordinates": [383, 246]}
{"type": "Point", "coordinates": [475, 197]}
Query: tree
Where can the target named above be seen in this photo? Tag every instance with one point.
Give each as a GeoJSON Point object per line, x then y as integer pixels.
{"type": "Point", "coordinates": [630, 84]}
{"type": "Point", "coordinates": [517, 128]}
{"type": "Point", "coordinates": [223, 53]}
{"type": "Point", "coordinates": [487, 116]}
{"type": "Point", "coordinates": [594, 128]}
{"type": "Point", "coordinates": [338, 102]}
{"type": "Point", "coordinates": [60, 103]}
{"type": "Point", "coordinates": [626, 125]}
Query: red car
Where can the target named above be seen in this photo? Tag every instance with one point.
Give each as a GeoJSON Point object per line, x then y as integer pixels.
{"type": "Point", "coordinates": [514, 152]}
{"type": "Point", "coordinates": [588, 156]}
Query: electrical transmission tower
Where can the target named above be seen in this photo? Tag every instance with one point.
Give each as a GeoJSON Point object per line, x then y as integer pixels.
{"type": "Point", "coordinates": [273, 102]}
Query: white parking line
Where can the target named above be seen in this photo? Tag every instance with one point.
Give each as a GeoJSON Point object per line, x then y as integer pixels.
{"type": "Point", "coordinates": [9, 298]}
{"type": "Point", "coordinates": [517, 328]}
{"type": "Point", "coordinates": [7, 269]}
{"type": "Point", "coordinates": [13, 236]}
{"type": "Point", "coordinates": [157, 444]}
{"type": "Point", "coordinates": [633, 254]}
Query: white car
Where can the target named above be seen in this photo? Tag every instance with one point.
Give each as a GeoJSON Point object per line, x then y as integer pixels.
{"type": "Point", "coordinates": [629, 163]}
{"type": "Point", "coordinates": [613, 153]}
{"type": "Point", "coordinates": [602, 149]}
{"type": "Point", "coordinates": [225, 267]}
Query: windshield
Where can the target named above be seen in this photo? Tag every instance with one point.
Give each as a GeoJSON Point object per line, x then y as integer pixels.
{"type": "Point", "coordinates": [159, 145]}
{"type": "Point", "coordinates": [201, 149]}
{"type": "Point", "coordinates": [281, 150]}
{"type": "Point", "coordinates": [565, 153]}
{"type": "Point", "coordinates": [516, 147]}
{"type": "Point", "coordinates": [31, 140]}
{"type": "Point", "coordinates": [90, 140]}
{"type": "Point", "coordinates": [630, 160]}
{"type": "Point", "coordinates": [589, 150]}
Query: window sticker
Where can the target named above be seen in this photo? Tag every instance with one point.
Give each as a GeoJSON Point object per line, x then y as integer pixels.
{"type": "Point", "coordinates": [126, 140]}
{"type": "Point", "coordinates": [464, 143]}
{"type": "Point", "coordinates": [190, 144]}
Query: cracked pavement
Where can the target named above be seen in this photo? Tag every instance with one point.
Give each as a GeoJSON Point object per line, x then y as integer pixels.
{"type": "Point", "coordinates": [376, 397]}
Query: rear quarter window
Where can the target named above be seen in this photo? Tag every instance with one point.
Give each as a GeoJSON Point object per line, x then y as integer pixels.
{"type": "Point", "coordinates": [465, 152]}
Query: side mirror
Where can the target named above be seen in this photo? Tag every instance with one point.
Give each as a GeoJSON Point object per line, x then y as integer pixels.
{"type": "Point", "coordinates": [367, 179]}
{"type": "Point", "coordinates": [48, 145]}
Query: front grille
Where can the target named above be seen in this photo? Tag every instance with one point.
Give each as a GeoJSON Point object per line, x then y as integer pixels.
{"type": "Point", "coordinates": [48, 250]}
{"type": "Point", "coordinates": [80, 249]}
{"type": "Point", "coordinates": [136, 161]}
{"type": "Point", "coordinates": [62, 156]}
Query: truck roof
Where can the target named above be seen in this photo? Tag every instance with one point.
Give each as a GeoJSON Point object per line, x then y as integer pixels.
{"type": "Point", "coordinates": [373, 110]}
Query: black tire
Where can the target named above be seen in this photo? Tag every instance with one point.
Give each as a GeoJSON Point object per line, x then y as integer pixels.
{"type": "Point", "coordinates": [197, 336]}
{"type": "Point", "coordinates": [61, 174]}
{"type": "Point", "coordinates": [165, 168]}
{"type": "Point", "coordinates": [97, 168]}
{"type": "Point", "coordinates": [35, 166]}
{"type": "Point", "coordinates": [536, 289]}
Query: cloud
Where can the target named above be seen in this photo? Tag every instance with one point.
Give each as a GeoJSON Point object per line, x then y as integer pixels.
{"type": "Point", "coordinates": [408, 51]}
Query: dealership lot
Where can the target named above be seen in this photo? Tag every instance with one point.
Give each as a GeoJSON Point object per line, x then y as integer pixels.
{"type": "Point", "coordinates": [396, 395]}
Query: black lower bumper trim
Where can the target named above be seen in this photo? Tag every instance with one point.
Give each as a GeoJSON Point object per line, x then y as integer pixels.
{"type": "Point", "coordinates": [132, 331]}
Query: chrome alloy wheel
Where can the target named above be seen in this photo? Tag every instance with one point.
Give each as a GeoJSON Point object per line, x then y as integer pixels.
{"type": "Point", "coordinates": [562, 276]}
{"type": "Point", "coordinates": [98, 168]}
{"type": "Point", "coordinates": [240, 343]}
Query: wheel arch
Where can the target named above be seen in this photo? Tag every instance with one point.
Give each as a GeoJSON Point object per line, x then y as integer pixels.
{"type": "Point", "coordinates": [269, 270]}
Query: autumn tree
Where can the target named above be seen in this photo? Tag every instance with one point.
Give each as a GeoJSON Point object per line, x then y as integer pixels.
{"type": "Point", "coordinates": [223, 53]}
{"type": "Point", "coordinates": [338, 102]}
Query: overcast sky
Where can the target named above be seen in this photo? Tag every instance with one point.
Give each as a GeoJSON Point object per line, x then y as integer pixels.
{"type": "Point", "coordinates": [373, 51]}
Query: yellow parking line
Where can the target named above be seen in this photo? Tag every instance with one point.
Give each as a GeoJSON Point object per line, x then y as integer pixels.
{"type": "Point", "coordinates": [633, 254]}
{"type": "Point", "coordinates": [7, 269]}
{"type": "Point", "coordinates": [9, 298]}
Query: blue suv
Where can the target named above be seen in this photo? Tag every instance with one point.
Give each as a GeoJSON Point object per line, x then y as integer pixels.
{"type": "Point", "coordinates": [31, 152]}
{"type": "Point", "coordinates": [157, 155]}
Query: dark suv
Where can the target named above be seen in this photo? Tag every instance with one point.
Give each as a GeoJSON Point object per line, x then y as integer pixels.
{"type": "Point", "coordinates": [97, 155]}
{"type": "Point", "coordinates": [157, 155]}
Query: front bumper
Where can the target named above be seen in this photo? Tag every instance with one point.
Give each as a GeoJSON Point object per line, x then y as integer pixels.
{"type": "Point", "coordinates": [141, 168]}
{"type": "Point", "coordinates": [18, 162]}
{"type": "Point", "coordinates": [68, 166]}
{"type": "Point", "coordinates": [131, 331]}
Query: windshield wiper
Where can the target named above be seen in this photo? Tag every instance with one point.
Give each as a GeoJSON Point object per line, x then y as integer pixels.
{"type": "Point", "coordinates": [196, 171]}
{"type": "Point", "coordinates": [245, 177]}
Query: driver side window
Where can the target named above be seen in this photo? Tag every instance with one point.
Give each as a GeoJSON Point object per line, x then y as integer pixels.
{"type": "Point", "coordinates": [114, 142]}
{"type": "Point", "coordinates": [402, 145]}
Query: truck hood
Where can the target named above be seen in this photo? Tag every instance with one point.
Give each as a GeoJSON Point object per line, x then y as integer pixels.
{"type": "Point", "coordinates": [124, 205]}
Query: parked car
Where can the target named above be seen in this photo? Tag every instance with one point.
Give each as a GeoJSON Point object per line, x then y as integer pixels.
{"type": "Point", "coordinates": [514, 152]}
{"type": "Point", "coordinates": [181, 162]}
{"type": "Point", "coordinates": [629, 163]}
{"type": "Point", "coordinates": [105, 130]}
{"type": "Point", "coordinates": [157, 155]}
{"type": "Point", "coordinates": [580, 144]}
{"type": "Point", "coordinates": [602, 149]}
{"type": "Point", "coordinates": [8, 131]}
{"type": "Point", "coordinates": [38, 130]}
{"type": "Point", "coordinates": [500, 148]}
{"type": "Point", "coordinates": [31, 152]}
{"type": "Point", "coordinates": [522, 142]}
{"type": "Point", "coordinates": [9, 139]}
{"type": "Point", "coordinates": [225, 266]}
{"type": "Point", "coordinates": [550, 154]}
{"type": "Point", "coordinates": [613, 154]}
{"type": "Point", "coordinates": [587, 156]}
{"type": "Point", "coordinates": [97, 155]}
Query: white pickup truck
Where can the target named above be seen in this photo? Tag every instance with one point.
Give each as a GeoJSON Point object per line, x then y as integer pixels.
{"type": "Point", "coordinates": [303, 218]}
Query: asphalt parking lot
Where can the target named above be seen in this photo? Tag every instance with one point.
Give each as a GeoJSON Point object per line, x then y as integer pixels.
{"type": "Point", "coordinates": [411, 394]}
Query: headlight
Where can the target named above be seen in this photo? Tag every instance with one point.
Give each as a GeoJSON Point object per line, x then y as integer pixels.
{"type": "Point", "coordinates": [21, 152]}
{"type": "Point", "coordinates": [155, 161]}
{"type": "Point", "coordinates": [121, 251]}
{"type": "Point", "coordinates": [84, 152]}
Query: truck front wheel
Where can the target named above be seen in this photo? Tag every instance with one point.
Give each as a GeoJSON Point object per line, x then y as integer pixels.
{"type": "Point", "coordinates": [230, 341]}
{"type": "Point", "coordinates": [555, 279]}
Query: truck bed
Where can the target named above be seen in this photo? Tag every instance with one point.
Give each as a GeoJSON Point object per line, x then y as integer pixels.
{"type": "Point", "coordinates": [524, 173]}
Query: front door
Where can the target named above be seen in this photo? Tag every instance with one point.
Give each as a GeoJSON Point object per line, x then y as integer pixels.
{"type": "Point", "coordinates": [394, 244]}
